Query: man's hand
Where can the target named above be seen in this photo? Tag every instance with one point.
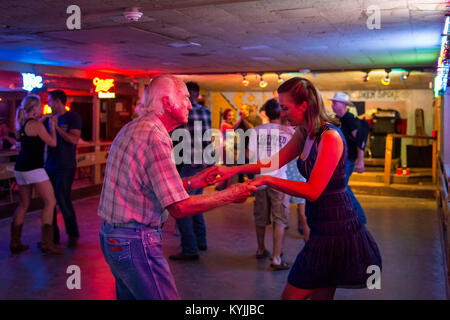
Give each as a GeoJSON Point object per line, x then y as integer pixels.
{"type": "Point", "coordinates": [359, 166]}
{"type": "Point", "coordinates": [204, 178]}
{"type": "Point", "coordinates": [241, 191]}
{"type": "Point", "coordinates": [221, 174]}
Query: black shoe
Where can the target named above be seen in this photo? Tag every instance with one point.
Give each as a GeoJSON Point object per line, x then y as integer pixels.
{"type": "Point", "coordinates": [73, 242]}
{"type": "Point", "coordinates": [184, 257]}
{"type": "Point", "coordinates": [203, 247]}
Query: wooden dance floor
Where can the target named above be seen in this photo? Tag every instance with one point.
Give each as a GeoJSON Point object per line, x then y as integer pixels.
{"type": "Point", "coordinates": [406, 229]}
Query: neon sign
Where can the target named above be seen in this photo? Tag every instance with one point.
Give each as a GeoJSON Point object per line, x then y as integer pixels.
{"type": "Point", "coordinates": [47, 110]}
{"type": "Point", "coordinates": [31, 81]}
{"type": "Point", "coordinates": [440, 82]}
{"type": "Point", "coordinates": [103, 87]}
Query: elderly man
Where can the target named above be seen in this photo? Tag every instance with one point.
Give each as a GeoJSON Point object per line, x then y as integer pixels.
{"type": "Point", "coordinates": [142, 184]}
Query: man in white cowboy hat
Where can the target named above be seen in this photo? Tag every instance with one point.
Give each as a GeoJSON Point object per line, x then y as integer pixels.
{"type": "Point", "coordinates": [356, 141]}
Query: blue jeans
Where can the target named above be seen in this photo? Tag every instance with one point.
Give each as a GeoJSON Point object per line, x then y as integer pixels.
{"type": "Point", "coordinates": [193, 228]}
{"type": "Point", "coordinates": [135, 259]}
{"type": "Point", "coordinates": [350, 166]}
{"type": "Point", "coordinates": [62, 184]}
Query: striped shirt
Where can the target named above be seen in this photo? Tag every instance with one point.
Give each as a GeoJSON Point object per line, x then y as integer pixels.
{"type": "Point", "coordinates": [141, 179]}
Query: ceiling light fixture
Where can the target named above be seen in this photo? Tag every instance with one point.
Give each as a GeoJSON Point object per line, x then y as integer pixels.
{"type": "Point", "coordinates": [280, 81]}
{"type": "Point", "coordinates": [262, 83]}
{"type": "Point", "coordinates": [245, 82]}
{"type": "Point", "coordinates": [386, 80]}
{"type": "Point", "coordinates": [132, 14]}
{"type": "Point", "coordinates": [404, 76]}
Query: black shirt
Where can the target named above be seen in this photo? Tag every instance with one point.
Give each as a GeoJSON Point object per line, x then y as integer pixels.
{"type": "Point", "coordinates": [63, 156]}
{"type": "Point", "coordinates": [31, 155]}
{"type": "Point", "coordinates": [348, 124]}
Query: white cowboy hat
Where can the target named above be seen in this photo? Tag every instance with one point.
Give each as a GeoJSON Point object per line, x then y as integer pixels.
{"type": "Point", "coordinates": [342, 97]}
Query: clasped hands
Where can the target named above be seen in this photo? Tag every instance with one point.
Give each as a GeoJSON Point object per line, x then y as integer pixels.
{"type": "Point", "coordinates": [52, 118]}
{"type": "Point", "coordinates": [216, 174]}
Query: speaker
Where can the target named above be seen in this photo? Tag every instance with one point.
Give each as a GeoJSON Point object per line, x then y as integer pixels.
{"type": "Point", "coordinates": [383, 125]}
{"type": "Point", "coordinates": [378, 146]}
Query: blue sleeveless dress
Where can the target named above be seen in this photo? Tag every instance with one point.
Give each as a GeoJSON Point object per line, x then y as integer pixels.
{"type": "Point", "coordinates": [340, 248]}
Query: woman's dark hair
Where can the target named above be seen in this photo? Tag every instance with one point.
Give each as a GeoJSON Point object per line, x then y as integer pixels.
{"type": "Point", "coordinates": [302, 90]}
{"type": "Point", "coordinates": [272, 109]}
{"type": "Point", "coordinates": [225, 114]}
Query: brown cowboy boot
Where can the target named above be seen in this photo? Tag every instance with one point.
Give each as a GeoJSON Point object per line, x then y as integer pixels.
{"type": "Point", "coordinates": [47, 245]}
{"type": "Point", "coordinates": [16, 245]}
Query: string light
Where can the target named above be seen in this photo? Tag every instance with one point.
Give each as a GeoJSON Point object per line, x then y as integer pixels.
{"type": "Point", "coordinates": [366, 77]}
{"type": "Point", "coordinates": [262, 83]}
{"type": "Point", "coordinates": [280, 81]}
{"type": "Point", "coordinates": [245, 82]}
{"type": "Point", "coordinates": [386, 80]}
{"type": "Point", "coordinates": [404, 76]}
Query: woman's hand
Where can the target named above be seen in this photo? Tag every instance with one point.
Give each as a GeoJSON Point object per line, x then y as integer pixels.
{"type": "Point", "coordinates": [45, 116]}
{"type": "Point", "coordinates": [260, 181]}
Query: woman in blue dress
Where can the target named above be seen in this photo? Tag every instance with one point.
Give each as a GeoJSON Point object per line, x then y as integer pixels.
{"type": "Point", "coordinates": [340, 249]}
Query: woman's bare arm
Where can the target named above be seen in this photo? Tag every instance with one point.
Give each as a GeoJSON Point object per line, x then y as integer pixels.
{"type": "Point", "coordinates": [329, 154]}
{"type": "Point", "coordinates": [39, 130]}
{"type": "Point", "coordinates": [290, 151]}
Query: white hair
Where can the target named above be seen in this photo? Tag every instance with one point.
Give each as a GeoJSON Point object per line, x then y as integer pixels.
{"type": "Point", "coordinates": [165, 85]}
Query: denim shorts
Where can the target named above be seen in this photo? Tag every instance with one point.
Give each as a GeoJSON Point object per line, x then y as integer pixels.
{"type": "Point", "coordinates": [136, 261]}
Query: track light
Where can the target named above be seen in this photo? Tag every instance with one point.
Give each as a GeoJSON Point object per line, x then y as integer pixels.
{"type": "Point", "coordinates": [280, 81]}
{"type": "Point", "coordinates": [262, 83]}
{"type": "Point", "coordinates": [386, 80]}
{"type": "Point", "coordinates": [404, 76]}
{"type": "Point", "coordinates": [245, 82]}
{"type": "Point", "coordinates": [366, 77]}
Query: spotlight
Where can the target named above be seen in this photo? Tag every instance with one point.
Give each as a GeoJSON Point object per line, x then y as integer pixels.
{"type": "Point", "coordinates": [280, 81]}
{"type": "Point", "coordinates": [262, 83]}
{"type": "Point", "coordinates": [404, 76]}
{"type": "Point", "coordinates": [386, 80]}
{"type": "Point", "coordinates": [245, 82]}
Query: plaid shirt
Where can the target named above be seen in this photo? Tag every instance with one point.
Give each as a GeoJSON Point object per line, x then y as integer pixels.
{"type": "Point", "coordinates": [141, 179]}
{"type": "Point", "coordinates": [198, 113]}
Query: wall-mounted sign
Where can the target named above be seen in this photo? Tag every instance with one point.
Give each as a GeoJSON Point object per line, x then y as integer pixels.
{"type": "Point", "coordinates": [105, 88]}
{"type": "Point", "coordinates": [106, 95]}
{"type": "Point", "coordinates": [31, 81]}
